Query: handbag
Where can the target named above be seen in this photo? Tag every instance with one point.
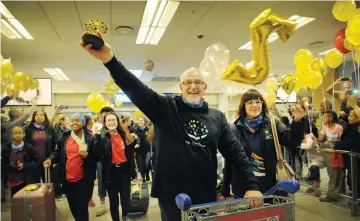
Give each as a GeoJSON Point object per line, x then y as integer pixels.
{"type": "Point", "coordinates": [283, 169]}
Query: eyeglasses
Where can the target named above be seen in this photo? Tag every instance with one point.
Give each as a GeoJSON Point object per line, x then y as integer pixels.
{"type": "Point", "coordinates": [196, 82]}
{"type": "Point", "coordinates": [111, 120]}
{"type": "Point", "coordinates": [257, 102]}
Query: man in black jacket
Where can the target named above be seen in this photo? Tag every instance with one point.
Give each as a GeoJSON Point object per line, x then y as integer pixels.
{"type": "Point", "coordinates": [188, 135]}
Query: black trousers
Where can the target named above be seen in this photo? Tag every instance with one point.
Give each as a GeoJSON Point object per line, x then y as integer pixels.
{"type": "Point", "coordinates": [77, 196]}
{"type": "Point", "coordinates": [56, 181]}
{"type": "Point", "coordinates": [119, 183]}
{"type": "Point", "coordinates": [169, 210]}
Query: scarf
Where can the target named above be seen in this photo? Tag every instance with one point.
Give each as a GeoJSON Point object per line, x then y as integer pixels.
{"type": "Point", "coordinates": [193, 105]}
{"type": "Point", "coordinates": [39, 127]}
{"type": "Point", "coordinates": [19, 148]}
{"type": "Point", "coordinates": [77, 139]}
{"type": "Point", "coordinates": [254, 123]}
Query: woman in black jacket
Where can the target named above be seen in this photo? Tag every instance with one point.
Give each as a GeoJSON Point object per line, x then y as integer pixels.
{"type": "Point", "coordinates": [115, 149]}
{"type": "Point", "coordinates": [253, 130]}
{"type": "Point", "coordinates": [19, 161]}
{"type": "Point", "coordinates": [41, 135]}
{"type": "Point", "coordinates": [143, 154]}
{"type": "Point", "coordinates": [76, 168]}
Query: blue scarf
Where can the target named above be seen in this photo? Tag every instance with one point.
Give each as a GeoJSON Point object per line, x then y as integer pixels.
{"type": "Point", "coordinates": [254, 123]}
{"type": "Point", "coordinates": [193, 105]}
{"type": "Point", "coordinates": [19, 148]}
{"type": "Point", "coordinates": [39, 127]}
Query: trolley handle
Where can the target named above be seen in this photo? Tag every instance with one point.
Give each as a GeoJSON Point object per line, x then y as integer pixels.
{"type": "Point", "coordinates": [183, 201]}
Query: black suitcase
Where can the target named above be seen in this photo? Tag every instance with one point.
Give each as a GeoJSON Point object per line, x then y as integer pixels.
{"type": "Point", "coordinates": [139, 198]}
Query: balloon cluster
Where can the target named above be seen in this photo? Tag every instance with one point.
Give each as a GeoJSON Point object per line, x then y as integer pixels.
{"type": "Point", "coordinates": [216, 59]}
{"type": "Point", "coordinates": [138, 114]}
{"type": "Point", "coordinates": [13, 83]}
{"type": "Point", "coordinates": [348, 39]}
{"type": "Point", "coordinates": [271, 87]}
{"type": "Point", "coordinates": [111, 88]}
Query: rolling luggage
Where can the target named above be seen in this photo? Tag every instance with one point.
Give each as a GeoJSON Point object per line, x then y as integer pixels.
{"type": "Point", "coordinates": [35, 202]}
{"type": "Point", "coordinates": [139, 198]}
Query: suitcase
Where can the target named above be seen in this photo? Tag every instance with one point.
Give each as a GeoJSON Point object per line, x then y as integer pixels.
{"type": "Point", "coordinates": [35, 202]}
{"type": "Point", "coordinates": [139, 198]}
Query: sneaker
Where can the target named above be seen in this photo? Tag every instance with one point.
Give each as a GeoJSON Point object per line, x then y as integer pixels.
{"type": "Point", "coordinates": [91, 203]}
{"type": "Point", "coordinates": [101, 210]}
{"type": "Point", "coordinates": [147, 178]}
{"type": "Point", "coordinates": [58, 198]}
{"type": "Point", "coordinates": [126, 218]}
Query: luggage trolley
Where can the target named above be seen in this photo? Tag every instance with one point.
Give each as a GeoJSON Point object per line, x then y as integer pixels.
{"type": "Point", "coordinates": [275, 208]}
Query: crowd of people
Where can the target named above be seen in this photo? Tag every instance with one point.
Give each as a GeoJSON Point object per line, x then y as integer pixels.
{"type": "Point", "coordinates": [180, 150]}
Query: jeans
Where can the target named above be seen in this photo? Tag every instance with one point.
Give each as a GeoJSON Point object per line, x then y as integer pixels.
{"type": "Point", "coordinates": [77, 196]}
{"type": "Point", "coordinates": [169, 210]}
{"type": "Point", "coordinates": [119, 184]}
{"type": "Point", "coordinates": [143, 162]}
{"type": "Point", "coordinates": [298, 165]}
{"type": "Point", "coordinates": [336, 182]}
{"type": "Point", "coordinates": [101, 186]}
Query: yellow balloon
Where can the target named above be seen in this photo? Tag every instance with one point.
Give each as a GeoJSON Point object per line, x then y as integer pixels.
{"type": "Point", "coordinates": [357, 57]}
{"type": "Point", "coordinates": [354, 22]}
{"type": "Point", "coordinates": [3, 87]}
{"type": "Point", "coordinates": [288, 83]}
{"type": "Point", "coordinates": [272, 85]}
{"type": "Point", "coordinates": [14, 89]}
{"type": "Point", "coordinates": [6, 68]}
{"type": "Point", "coordinates": [334, 58]}
{"type": "Point", "coordinates": [344, 10]}
{"type": "Point", "coordinates": [116, 88]}
{"type": "Point", "coordinates": [28, 80]}
{"type": "Point", "coordinates": [118, 103]}
{"type": "Point", "coordinates": [320, 66]}
{"type": "Point", "coordinates": [352, 37]}
{"type": "Point", "coordinates": [303, 59]}
{"type": "Point", "coordinates": [111, 94]}
{"type": "Point", "coordinates": [95, 102]}
{"type": "Point", "coordinates": [23, 86]}
{"type": "Point", "coordinates": [34, 84]}
{"type": "Point", "coordinates": [111, 80]}
{"type": "Point", "coordinates": [19, 77]}
{"type": "Point", "coordinates": [315, 79]}
{"type": "Point", "coordinates": [107, 88]}
{"type": "Point", "coordinates": [9, 79]}
{"type": "Point", "coordinates": [270, 98]}
{"type": "Point", "coordinates": [302, 78]}
{"type": "Point", "coordinates": [138, 114]}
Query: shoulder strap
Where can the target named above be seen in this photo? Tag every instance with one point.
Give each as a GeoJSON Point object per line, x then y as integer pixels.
{"type": "Point", "coordinates": [279, 154]}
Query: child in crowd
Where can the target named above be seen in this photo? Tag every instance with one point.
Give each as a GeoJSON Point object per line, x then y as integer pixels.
{"type": "Point", "coordinates": [20, 162]}
{"type": "Point", "coordinates": [331, 134]}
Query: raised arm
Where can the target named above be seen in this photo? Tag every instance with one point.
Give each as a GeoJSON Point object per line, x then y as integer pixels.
{"type": "Point", "coordinates": [330, 90]}
{"type": "Point", "coordinates": [22, 119]}
{"type": "Point", "coordinates": [147, 100]}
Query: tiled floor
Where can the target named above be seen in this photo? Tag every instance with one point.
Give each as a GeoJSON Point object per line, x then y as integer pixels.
{"type": "Point", "coordinates": [308, 208]}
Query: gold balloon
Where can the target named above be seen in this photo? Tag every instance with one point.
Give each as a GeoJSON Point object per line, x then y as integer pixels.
{"type": "Point", "coordinates": [344, 10]}
{"type": "Point", "coordinates": [107, 88]}
{"type": "Point", "coordinates": [352, 37]}
{"type": "Point", "coordinates": [34, 84]}
{"type": "Point", "coordinates": [315, 79]}
{"type": "Point", "coordinates": [334, 58]}
{"type": "Point", "coordinates": [116, 88]}
{"type": "Point", "coordinates": [272, 85]}
{"type": "Point", "coordinates": [14, 89]}
{"type": "Point", "coordinates": [262, 26]}
{"type": "Point", "coordinates": [354, 22]}
{"type": "Point", "coordinates": [303, 59]}
{"type": "Point", "coordinates": [111, 94]}
{"type": "Point", "coordinates": [320, 66]}
{"type": "Point", "coordinates": [288, 83]}
{"type": "Point", "coordinates": [357, 57]}
{"type": "Point", "coordinates": [138, 114]}
{"type": "Point", "coordinates": [9, 79]}
{"type": "Point", "coordinates": [95, 102]}
{"type": "Point", "coordinates": [6, 68]}
{"type": "Point", "coordinates": [270, 98]}
{"type": "Point", "coordinates": [19, 77]}
{"type": "Point", "coordinates": [28, 80]}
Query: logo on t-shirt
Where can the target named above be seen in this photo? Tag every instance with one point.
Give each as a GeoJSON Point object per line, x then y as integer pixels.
{"type": "Point", "coordinates": [196, 130]}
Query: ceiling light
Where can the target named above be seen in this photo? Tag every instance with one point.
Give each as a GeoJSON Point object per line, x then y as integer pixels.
{"type": "Point", "coordinates": [8, 31]}
{"type": "Point", "coordinates": [326, 52]}
{"type": "Point", "coordinates": [300, 21]}
{"type": "Point", "coordinates": [20, 28]}
{"type": "Point", "coordinates": [157, 16]}
{"type": "Point", "coordinates": [57, 74]}
{"type": "Point", "coordinates": [4, 11]}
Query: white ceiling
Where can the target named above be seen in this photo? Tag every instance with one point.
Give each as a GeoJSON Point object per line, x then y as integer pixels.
{"type": "Point", "coordinates": [57, 28]}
